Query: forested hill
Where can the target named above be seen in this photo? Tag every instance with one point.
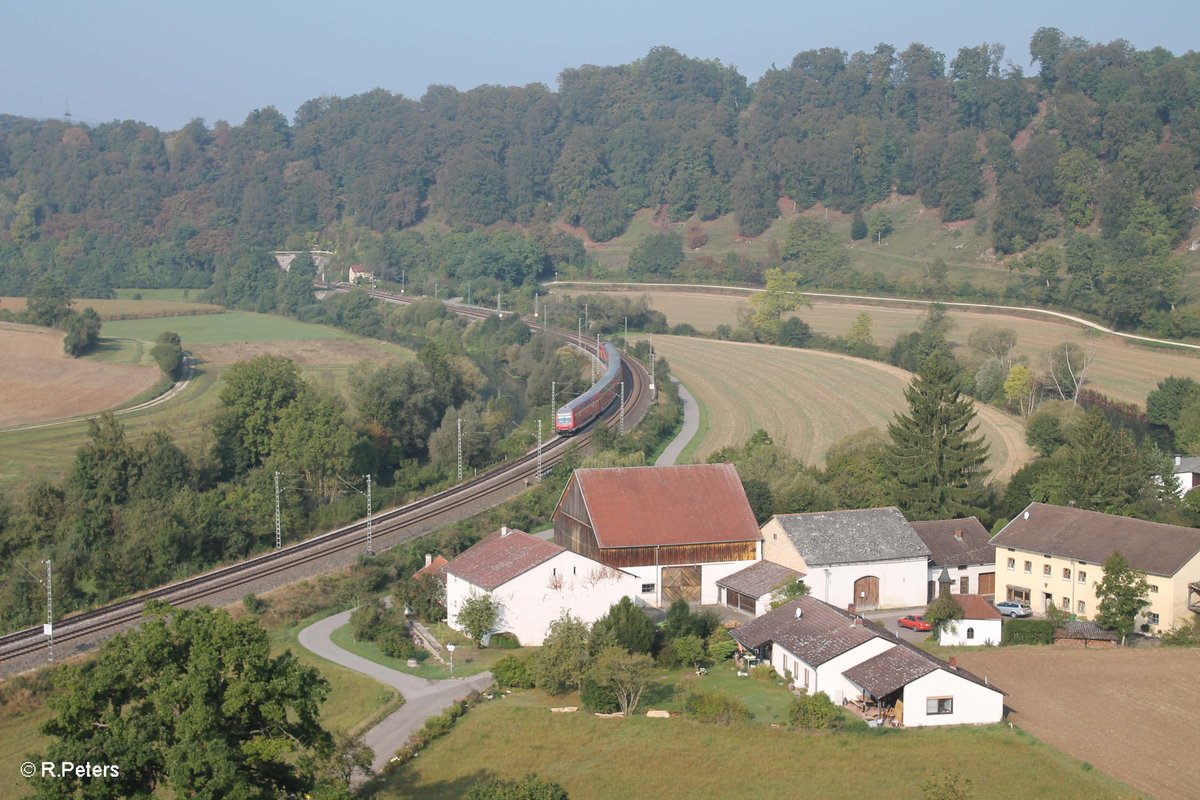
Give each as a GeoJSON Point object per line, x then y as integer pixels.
{"type": "Point", "coordinates": [1104, 139]}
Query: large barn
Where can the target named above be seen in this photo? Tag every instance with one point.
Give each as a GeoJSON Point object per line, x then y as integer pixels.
{"type": "Point", "coordinates": [680, 529]}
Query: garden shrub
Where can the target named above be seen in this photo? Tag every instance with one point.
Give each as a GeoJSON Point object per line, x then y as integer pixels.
{"type": "Point", "coordinates": [713, 706]}
{"type": "Point", "coordinates": [814, 712]}
{"type": "Point", "coordinates": [598, 698]}
{"type": "Point", "coordinates": [1028, 631]}
{"type": "Point", "coordinates": [396, 643]}
{"type": "Point", "coordinates": [504, 641]}
{"type": "Point", "coordinates": [512, 672]}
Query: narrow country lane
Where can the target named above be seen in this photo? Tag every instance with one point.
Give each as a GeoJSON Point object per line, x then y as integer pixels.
{"type": "Point", "coordinates": [423, 698]}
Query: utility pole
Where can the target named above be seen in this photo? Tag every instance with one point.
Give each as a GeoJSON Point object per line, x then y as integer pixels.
{"type": "Point", "coordinates": [625, 341]}
{"type": "Point", "coordinates": [468, 293]}
{"type": "Point", "coordinates": [370, 521]}
{"type": "Point", "coordinates": [49, 630]}
{"type": "Point", "coordinates": [539, 457]}
{"type": "Point", "coordinates": [652, 365]}
{"type": "Point", "coordinates": [622, 424]}
{"type": "Point", "coordinates": [498, 304]}
{"type": "Point", "coordinates": [553, 405]}
{"type": "Point", "coordinates": [587, 323]}
{"type": "Point", "coordinates": [403, 275]}
{"type": "Point", "coordinates": [435, 290]}
{"type": "Point", "coordinates": [579, 336]}
{"type": "Point", "coordinates": [535, 304]}
{"type": "Point", "coordinates": [460, 449]}
{"type": "Point", "coordinates": [278, 521]}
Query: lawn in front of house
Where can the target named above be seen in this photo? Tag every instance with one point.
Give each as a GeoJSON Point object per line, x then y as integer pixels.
{"type": "Point", "coordinates": [468, 659]}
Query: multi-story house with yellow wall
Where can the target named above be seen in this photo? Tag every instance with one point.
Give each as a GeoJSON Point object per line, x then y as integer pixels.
{"type": "Point", "coordinates": [1055, 555]}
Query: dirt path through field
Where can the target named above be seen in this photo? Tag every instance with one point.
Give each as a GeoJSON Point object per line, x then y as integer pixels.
{"type": "Point", "coordinates": [1131, 713]}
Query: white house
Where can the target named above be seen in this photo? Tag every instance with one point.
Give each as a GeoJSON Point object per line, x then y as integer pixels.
{"type": "Point", "coordinates": [754, 588]}
{"type": "Point", "coordinates": [533, 581]}
{"type": "Point", "coordinates": [1187, 472]}
{"type": "Point", "coordinates": [870, 557]}
{"type": "Point", "coordinates": [962, 548]}
{"type": "Point", "coordinates": [680, 529]}
{"type": "Point", "coordinates": [822, 648]}
{"type": "Point", "coordinates": [980, 623]}
{"type": "Point", "coordinates": [358, 275]}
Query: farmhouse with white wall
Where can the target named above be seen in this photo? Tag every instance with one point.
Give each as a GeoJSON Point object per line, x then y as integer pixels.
{"type": "Point", "coordinates": [533, 581]}
{"type": "Point", "coordinates": [980, 624]}
{"type": "Point", "coordinates": [870, 557]}
{"type": "Point", "coordinates": [962, 548]}
{"type": "Point", "coordinates": [826, 649]}
{"type": "Point", "coordinates": [754, 588]}
{"type": "Point", "coordinates": [680, 529]}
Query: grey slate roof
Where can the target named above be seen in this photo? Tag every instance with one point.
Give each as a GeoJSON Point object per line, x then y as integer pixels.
{"type": "Point", "coordinates": [889, 671]}
{"type": "Point", "coordinates": [948, 550]}
{"type": "Point", "coordinates": [843, 537]}
{"type": "Point", "coordinates": [821, 632]}
{"type": "Point", "coordinates": [759, 578]}
{"type": "Point", "coordinates": [1188, 464]}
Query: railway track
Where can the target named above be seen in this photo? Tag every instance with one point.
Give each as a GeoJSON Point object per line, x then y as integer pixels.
{"type": "Point", "coordinates": [26, 649]}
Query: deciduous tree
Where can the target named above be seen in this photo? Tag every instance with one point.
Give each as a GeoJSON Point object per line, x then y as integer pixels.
{"type": "Point", "coordinates": [477, 616]}
{"type": "Point", "coordinates": [1122, 593]}
{"type": "Point", "coordinates": [625, 674]}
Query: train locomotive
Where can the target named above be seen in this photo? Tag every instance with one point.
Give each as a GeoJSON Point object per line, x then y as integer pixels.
{"type": "Point", "coordinates": [586, 407]}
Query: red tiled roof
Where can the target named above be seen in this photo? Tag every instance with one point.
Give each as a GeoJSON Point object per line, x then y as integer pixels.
{"type": "Point", "coordinates": [975, 607]}
{"type": "Point", "coordinates": [646, 506]}
{"type": "Point", "coordinates": [500, 557]}
{"type": "Point", "coordinates": [436, 568]}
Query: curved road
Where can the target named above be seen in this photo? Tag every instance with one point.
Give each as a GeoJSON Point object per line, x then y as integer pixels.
{"type": "Point", "coordinates": [423, 698]}
{"type": "Point", "coordinates": [691, 426]}
{"type": "Point", "coordinates": [1087, 323]}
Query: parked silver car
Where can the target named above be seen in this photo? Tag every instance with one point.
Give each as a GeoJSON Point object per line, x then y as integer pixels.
{"type": "Point", "coordinates": [1013, 609]}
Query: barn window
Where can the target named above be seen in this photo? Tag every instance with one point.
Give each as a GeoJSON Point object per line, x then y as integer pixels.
{"type": "Point", "coordinates": [647, 588]}
{"type": "Point", "coordinates": [970, 633]}
{"type": "Point", "coordinates": [939, 705]}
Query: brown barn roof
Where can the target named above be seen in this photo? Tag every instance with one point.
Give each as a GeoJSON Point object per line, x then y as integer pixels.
{"type": "Point", "coordinates": [645, 506]}
{"type": "Point", "coordinates": [500, 557]}
{"type": "Point", "coordinates": [1091, 536]}
{"type": "Point", "coordinates": [759, 578]}
{"type": "Point", "coordinates": [975, 607]}
{"type": "Point", "coordinates": [956, 542]}
{"type": "Point", "coordinates": [820, 633]}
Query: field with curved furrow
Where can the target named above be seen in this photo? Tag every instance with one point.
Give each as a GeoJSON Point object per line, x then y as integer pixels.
{"type": "Point", "coordinates": [806, 399]}
{"type": "Point", "coordinates": [1121, 369]}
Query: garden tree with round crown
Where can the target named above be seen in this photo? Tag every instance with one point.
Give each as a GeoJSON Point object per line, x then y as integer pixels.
{"type": "Point", "coordinates": [192, 703]}
{"type": "Point", "coordinates": [531, 787]}
{"type": "Point", "coordinates": [1122, 593]}
{"type": "Point", "coordinates": [562, 663]}
{"type": "Point", "coordinates": [623, 673]}
{"type": "Point", "coordinates": [478, 617]}
{"type": "Point", "coordinates": [254, 397]}
{"type": "Point", "coordinates": [936, 454]}
{"type": "Point", "coordinates": [943, 611]}
{"type": "Point", "coordinates": [781, 296]}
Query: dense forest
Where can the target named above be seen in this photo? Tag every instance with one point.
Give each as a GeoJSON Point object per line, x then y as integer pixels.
{"type": "Point", "coordinates": [1097, 152]}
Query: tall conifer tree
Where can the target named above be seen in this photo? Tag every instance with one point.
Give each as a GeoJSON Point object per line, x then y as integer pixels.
{"type": "Point", "coordinates": [936, 454]}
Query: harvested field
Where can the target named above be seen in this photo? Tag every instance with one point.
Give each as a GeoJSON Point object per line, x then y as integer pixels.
{"type": "Point", "coordinates": [1130, 712]}
{"type": "Point", "coordinates": [1122, 370]}
{"type": "Point", "coordinates": [128, 309]}
{"type": "Point", "coordinates": [42, 383]}
{"type": "Point", "coordinates": [305, 352]}
{"type": "Point", "coordinates": [806, 399]}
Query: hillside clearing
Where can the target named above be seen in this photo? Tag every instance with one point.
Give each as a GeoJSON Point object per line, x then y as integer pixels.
{"type": "Point", "coordinates": [1122, 370]}
{"type": "Point", "coordinates": [807, 399]}
{"type": "Point", "coordinates": [128, 308]}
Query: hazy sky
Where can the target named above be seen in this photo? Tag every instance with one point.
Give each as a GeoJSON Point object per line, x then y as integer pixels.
{"type": "Point", "coordinates": [167, 62]}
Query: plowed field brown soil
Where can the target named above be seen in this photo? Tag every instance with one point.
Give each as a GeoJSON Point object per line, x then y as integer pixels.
{"type": "Point", "coordinates": [1131, 713]}
{"type": "Point", "coordinates": [39, 382]}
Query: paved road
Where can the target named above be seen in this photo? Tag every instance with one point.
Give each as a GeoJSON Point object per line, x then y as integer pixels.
{"type": "Point", "coordinates": [691, 426]}
{"type": "Point", "coordinates": [423, 698]}
{"type": "Point", "coordinates": [887, 618]}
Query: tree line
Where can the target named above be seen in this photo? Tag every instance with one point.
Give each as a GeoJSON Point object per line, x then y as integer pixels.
{"type": "Point", "coordinates": [1105, 136]}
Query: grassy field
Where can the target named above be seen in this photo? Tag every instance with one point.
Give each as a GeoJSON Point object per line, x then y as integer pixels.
{"type": "Point", "coordinates": [154, 303]}
{"type": "Point", "coordinates": [324, 355]}
{"type": "Point", "coordinates": [806, 399]}
{"type": "Point", "coordinates": [19, 737]}
{"type": "Point", "coordinates": [676, 758]}
{"type": "Point", "coordinates": [1121, 369]}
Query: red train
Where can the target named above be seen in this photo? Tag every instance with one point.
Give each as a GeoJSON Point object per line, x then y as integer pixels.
{"type": "Point", "coordinates": [589, 405]}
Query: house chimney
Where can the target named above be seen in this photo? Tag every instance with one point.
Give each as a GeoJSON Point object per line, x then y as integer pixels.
{"type": "Point", "coordinates": [428, 559]}
{"type": "Point", "coordinates": [953, 662]}
{"type": "Point", "coordinates": [504, 530]}
{"type": "Point", "coordinates": [850, 608]}
{"type": "Point", "coordinates": [958, 535]}
{"type": "Point", "coordinates": [1178, 459]}
{"type": "Point", "coordinates": [799, 613]}
{"type": "Point", "coordinates": [858, 621]}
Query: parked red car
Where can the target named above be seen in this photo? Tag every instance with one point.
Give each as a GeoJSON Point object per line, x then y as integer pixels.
{"type": "Point", "coordinates": [914, 622]}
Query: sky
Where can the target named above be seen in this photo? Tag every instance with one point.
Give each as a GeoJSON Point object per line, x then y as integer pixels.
{"type": "Point", "coordinates": [166, 63]}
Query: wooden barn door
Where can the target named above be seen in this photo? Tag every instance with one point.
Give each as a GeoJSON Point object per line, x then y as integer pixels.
{"type": "Point", "coordinates": [987, 583]}
{"type": "Point", "coordinates": [866, 592]}
{"type": "Point", "coordinates": [681, 582]}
